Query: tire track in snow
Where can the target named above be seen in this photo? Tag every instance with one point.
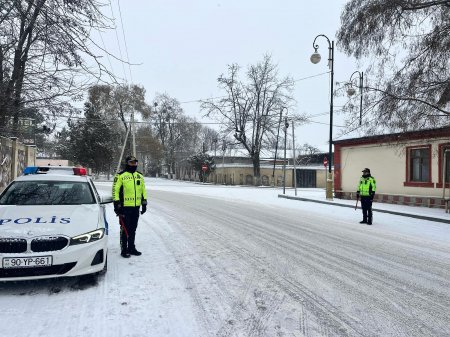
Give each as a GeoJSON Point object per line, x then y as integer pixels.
{"type": "Point", "coordinates": [322, 309]}
{"type": "Point", "coordinates": [239, 310]}
{"type": "Point", "coordinates": [230, 225]}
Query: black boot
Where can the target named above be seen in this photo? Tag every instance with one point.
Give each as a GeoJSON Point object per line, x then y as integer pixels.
{"type": "Point", "coordinates": [134, 251]}
{"type": "Point", "coordinates": [363, 221]}
{"type": "Point", "coordinates": [125, 254]}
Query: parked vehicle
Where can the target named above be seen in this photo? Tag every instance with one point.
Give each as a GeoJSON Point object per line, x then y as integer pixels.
{"type": "Point", "coordinates": [52, 224]}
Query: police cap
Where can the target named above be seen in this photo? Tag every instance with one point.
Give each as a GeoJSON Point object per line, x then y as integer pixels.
{"type": "Point", "coordinates": [130, 158]}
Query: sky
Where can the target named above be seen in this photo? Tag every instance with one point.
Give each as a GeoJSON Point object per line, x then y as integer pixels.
{"type": "Point", "coordinates": [197, 272]}
{"type": "Point", "coordinates": [182, 47]}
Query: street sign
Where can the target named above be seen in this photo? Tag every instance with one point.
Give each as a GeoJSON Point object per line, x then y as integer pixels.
{"type": "Point", "coordinates": [204, 167]}
{"type": "Point", "coordinates": [325, 161]}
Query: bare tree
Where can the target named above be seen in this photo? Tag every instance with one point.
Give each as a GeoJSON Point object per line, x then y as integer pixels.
{"type": "Point", "coordinates": [180, 136]}
{"type": "Point", "coordinates": [119, 102]}
{"type": "Point", "coordinates": [210, 139]}
{"type": "Point", "coordinates": [251, 110]}
{"type": "Point", "coordinates": [173, 129]}
{"type": "Point", "coordinates": [409, 42]}
{"type": "Point", "coordinates": [44, 48]}
{"type": "Point", "coordinates": [149, 150]}
{"type": "Point", "coordinates": [308, 154]}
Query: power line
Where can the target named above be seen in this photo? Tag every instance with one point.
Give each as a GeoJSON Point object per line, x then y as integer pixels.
{"type": "Point", "coordinates": [125, 40]}
{"type": "Point", "coordinates": [218, 97]}
{"type": "Point", "coordinates": [308, 77]}
{"type": "Point", "coordinates": [118, 42]}
{"type": "Point", "coordinates": [107, 54]}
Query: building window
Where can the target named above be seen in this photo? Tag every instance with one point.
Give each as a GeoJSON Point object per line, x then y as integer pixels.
{"type": "Point", "coordinates": [446, 157]}
{"type": "Point", "coordinates": [418, 166]}
{"type": "Point", "coordinates": [444, 163]}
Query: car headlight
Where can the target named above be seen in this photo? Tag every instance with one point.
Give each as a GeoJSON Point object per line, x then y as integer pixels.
{"type": "Point", "coordinates": [88, 237]}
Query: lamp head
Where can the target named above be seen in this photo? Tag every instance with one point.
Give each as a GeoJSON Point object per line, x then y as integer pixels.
{"type": "Point", "coordinates": [351, 91]}
{"type": "Point", "coordinates": [315, 57]}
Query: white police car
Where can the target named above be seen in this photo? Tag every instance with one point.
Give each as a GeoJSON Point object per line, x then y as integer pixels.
{"type": "Point", "coordinates": [52, 224]}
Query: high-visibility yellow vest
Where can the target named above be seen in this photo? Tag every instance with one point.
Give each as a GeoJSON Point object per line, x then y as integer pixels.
{"type": "Point", "coordinates": [366, 186]}
{"type": "Point", "coordinates": [129, 189]}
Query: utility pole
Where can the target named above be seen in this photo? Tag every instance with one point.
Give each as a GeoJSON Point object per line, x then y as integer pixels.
{"type": "Point", "coordinates": [133, 133]}
{"type": "Point", "coordinates": [123, 149]}
{"type": "Point", "coordinates": [294, 158]}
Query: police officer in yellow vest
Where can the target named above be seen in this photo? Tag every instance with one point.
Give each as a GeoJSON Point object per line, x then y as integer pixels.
{"type": "Point", "coordinates": [366, 191]}
{"type": "Point", "coordinates": [129, 195]}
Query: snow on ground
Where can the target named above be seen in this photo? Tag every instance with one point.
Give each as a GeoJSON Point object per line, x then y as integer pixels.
{"type": "Point", "coordinates": [240, 275]}
{"type": "Point", "coordinates": [270, 196]}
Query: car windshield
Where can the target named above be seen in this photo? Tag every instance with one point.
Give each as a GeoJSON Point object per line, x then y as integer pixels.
{"type": "Point", "coordinates": [47, 193]}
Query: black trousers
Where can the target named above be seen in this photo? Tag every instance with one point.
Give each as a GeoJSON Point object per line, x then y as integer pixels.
{"type": "Point", "coordinates": [128, 225]}
{"type": "Point", "coordinates": [366, 205]}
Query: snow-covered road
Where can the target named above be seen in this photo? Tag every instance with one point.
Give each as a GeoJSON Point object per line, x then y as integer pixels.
{"type": "Point", "coordinates": [236, 261]}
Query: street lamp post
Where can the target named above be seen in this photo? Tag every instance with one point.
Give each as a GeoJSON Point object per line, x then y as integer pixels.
{"type": "Point", "coordinates": [294, 158]}
{"type": "Point", "coordinates": [286, 125]}
{"type": "Point", "coordinates": [351, 91]}
{"type": "Point", "coordinates": [276, 147]}
{"type": "Point", "coordinates": [315, 58]}
{"type": "Point", "coordinates": [224, 148]}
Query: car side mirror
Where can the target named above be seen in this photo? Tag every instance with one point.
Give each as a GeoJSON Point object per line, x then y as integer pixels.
{"type": "Point", "coordinates": [105, 199]}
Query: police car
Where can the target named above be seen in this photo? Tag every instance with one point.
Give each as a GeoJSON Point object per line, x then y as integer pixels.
{"type": "Point", "coordinates": [52, 224]}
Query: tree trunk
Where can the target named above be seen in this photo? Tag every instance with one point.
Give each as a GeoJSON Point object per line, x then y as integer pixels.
{"type": "Point", "coordinates": [256, 170]}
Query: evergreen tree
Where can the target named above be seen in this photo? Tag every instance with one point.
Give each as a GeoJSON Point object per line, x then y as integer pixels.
{"type": "Point", "coordinates": [198, 160]}
{"type": "Point", "coordinates": [90, 142]}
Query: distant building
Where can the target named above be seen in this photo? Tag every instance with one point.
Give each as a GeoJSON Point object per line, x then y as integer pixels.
{"type": "Point", "coordinates": [408, 167]}
{"type": "Point", "coordinates": [53, 162]}
{"type": "Point", "coordinates": [235, 167]}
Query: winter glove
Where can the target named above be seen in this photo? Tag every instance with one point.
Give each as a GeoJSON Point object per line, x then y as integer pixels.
{"type": "Point", "coordinates": [357, 194]}
{"type": "Point", "coordinates": [144, 209]}
{"type": "Point", "coordinates": [144, 206]}
{"type": "Point", "coordinates": [372, 195]}
{"type": "Point", "coordinates": [117, 208]}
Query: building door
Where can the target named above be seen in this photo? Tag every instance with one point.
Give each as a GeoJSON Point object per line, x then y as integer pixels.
{"type": "Point", "coordinates": [306, 178]}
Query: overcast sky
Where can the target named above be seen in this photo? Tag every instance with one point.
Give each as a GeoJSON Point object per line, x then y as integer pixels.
{"type": "Point", "coordinates": [183, 46]}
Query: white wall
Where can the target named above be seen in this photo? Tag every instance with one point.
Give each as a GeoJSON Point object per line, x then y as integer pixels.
{"type": "Point", "coordinates": [387, 164]}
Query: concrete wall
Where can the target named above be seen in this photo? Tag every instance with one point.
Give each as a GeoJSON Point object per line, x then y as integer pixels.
{"type": "Point", "coordinates": [243, 175]}
{"type": "Point", "coordinates": [14, 157]}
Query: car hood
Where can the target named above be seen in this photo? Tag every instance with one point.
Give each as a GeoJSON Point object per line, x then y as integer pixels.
{"type": "Point", "coordinates": [70, 220]}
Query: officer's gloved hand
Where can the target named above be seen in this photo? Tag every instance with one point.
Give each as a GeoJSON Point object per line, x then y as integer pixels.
{"type": "Point", "coordinates": [144, 209]}
{"type": "Point", "coordinates": [144, 206]}
{"type": "Point", "coordinates": [117, 208]}
{"type": "Point", "coordinates": [372, 195]}
{"type": "Point", "coordinates": [357, 194]}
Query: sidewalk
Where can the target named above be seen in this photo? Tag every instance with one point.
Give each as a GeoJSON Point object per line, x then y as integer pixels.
{"type": "Point", "coordinates": [318, 196]}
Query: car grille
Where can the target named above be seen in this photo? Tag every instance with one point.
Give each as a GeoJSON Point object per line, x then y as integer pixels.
{"type": "Point", "coordinates": [48, 244]}
{"type": "Point", "coordinates": [41, 244]}
{"type": "Point", "coordinates": [13, 245]}
{"type": "Point", "coordinates": [37, 271]}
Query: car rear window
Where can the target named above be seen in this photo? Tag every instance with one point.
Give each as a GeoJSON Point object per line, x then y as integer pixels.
{"type": "Point", "coordinates": [47, 193]}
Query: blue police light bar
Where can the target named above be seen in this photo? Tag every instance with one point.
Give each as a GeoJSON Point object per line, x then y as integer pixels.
{"type": "Point", "coordinates": [78, 171]}
{"type": "Point", "coordinates": [30, 170]}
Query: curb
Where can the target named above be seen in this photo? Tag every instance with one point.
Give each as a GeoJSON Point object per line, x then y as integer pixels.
{"type": "Point", "coordinates": [422, 217]}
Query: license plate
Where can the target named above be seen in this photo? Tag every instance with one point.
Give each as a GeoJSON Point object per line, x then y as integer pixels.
{"type": "Point", "coordinates": [24, 262]}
